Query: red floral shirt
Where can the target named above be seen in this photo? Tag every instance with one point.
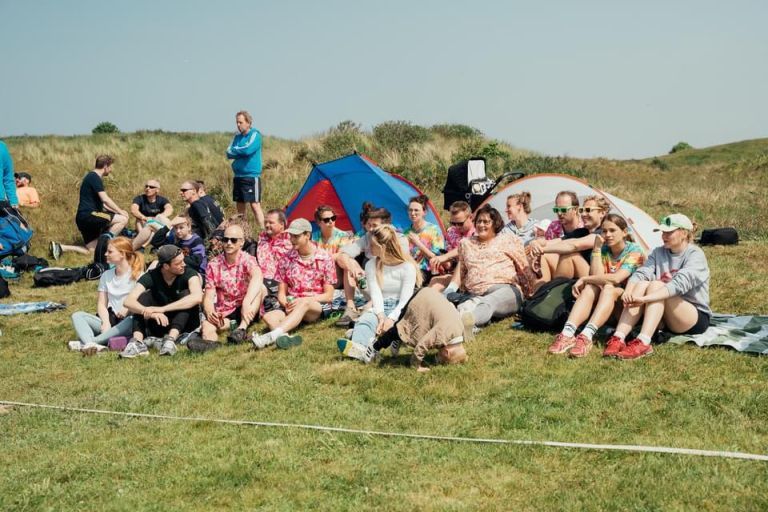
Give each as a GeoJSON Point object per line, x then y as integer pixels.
{"type": "Point", "coordinates": [270, 250]}
{"type": "Point", "coordinates": [454, 236]}
{"type": "Point", "coordinates": [304, 278]}
{"type": "Point", "coordinates": [230, 281]}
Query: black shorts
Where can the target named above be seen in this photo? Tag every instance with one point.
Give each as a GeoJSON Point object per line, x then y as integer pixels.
{"type": "Point", "coordinates": [246, 190]}
{"type": "Point", "coordinates": [326, 309]}
{"type": "Point", "coordinates": [237, 316]}
{"type": "Point", "coordinates": [91, 226]}
{"type": "Point", "coordinates": [701, 325]}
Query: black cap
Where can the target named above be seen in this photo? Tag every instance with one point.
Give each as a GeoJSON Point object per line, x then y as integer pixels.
{"type": "Point", "coordinates": [166, 253]}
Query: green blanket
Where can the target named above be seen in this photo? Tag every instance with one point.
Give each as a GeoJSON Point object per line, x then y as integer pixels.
{"type": "Point", "coordinates": [742, 333]}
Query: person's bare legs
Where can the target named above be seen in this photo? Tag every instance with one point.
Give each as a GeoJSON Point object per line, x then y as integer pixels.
{"type": "Point", "coordinates": [583, 306]}
{"type": "Point", "coordinates": [606, 303]}
{"type": "Point", "coordinates": [87, 250]}
{"type": "Point", "coordinates": [258, 214]}
{"type": "Point", "coordinates": [571, 266]}
{"type": "Point", "coordinates": [679, 314]}
{"type": "Point", "coordinates": [118, 224]}
{"type": "Point", "coordinates": [631, 315]}
{"type": "Point", "coordinates": [307, 311]}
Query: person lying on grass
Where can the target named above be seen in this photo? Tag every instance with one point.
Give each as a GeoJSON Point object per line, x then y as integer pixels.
{"type": "Point", "coordinates": [233, 293]}
{"type": "Point", "coordinates": [492, 269]}
{"type": "Point", "coordinates": [428, 322]}
{"type": "Point", "coordinates": [671, 288]}
{"type": "Point", "coordinates": [306, 276]}
{"type": "Point", "coordinates": [570, 255]}
{"type": "Point", "coordinates": [392, 276]}
{"type": "Point", "coordinates": [462, 227]}
{"type": "Point", "coordinates": [112, 318]}
{"type": "Point", "coordinates": [165, 303]}
{"type": "Point", "coordinates": [599, 293]}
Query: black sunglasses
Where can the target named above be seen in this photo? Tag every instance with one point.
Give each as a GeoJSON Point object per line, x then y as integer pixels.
{"type": "Point", "coordinates": [328, 220]}
{"type": "Point", "coordinates": [182, 190]}
{"type": "Point", "coordinates": [150, 186]}
{"type": "Point", "coordinates": [458, 224]}
{"type": "Point", "coordinates": [231, 240]}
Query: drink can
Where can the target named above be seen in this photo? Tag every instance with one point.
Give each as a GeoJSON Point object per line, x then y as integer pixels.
{"type": "Point", "coordinates": [232, 325]}
{"type": "Point", "coordinates": [290, 299]}
{"type": "Point", "coordinates": [362, 282]}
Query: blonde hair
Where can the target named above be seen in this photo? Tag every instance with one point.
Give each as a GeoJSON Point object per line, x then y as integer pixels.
{"type": "Point", "coordinates": [386, 236]}
{"type": "Point", "coordinates": [135, 259]}
{"type": "Point", "coordinates": [601, 201]}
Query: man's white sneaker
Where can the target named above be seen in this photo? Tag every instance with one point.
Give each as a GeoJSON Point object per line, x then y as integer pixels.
{"type": "Point", "coordinates": [261, 340]}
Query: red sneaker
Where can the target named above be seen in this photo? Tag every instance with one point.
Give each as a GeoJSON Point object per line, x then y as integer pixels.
{"type": "Point", "coordinates": [635, 349]}
{"type": "Point", "coordinates": [562, 344]}
{"type": "Point", "coordinates": [582, 346]}
{"type": "Point", "coordinates": [614, 346]}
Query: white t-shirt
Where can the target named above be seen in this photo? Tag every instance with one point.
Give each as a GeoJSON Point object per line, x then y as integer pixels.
{"type": "Point", "coordinates": [117, 288]}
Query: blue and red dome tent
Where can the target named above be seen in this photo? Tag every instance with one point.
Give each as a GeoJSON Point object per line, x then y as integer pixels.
{"type": "Point", "coordinates": [345, 183]}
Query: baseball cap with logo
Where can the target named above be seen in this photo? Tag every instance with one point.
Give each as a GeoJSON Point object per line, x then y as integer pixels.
{"type": "Point", "coordinates": [299, 226]}
{"type": "Point", "coordinates": [673, 222]}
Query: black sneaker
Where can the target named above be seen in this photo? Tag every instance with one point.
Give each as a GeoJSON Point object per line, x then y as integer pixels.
{"type": "Point", "coordinates": [197, 344]}
{"type": "Point", "coordinates": [237, 337]}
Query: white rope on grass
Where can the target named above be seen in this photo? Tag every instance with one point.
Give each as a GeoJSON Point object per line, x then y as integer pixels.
{"type": "Point", "coordinates": [321, 428]}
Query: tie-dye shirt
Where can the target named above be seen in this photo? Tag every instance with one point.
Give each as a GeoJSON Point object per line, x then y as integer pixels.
{"type": "Point", "coordinates": [630, 259]}
{"type": "Point", "coordinates": [338, 238]}
{"type": "Point", "coordinates": [432, 237]}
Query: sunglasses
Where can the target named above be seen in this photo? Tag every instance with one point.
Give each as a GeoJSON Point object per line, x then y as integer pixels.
{"type": "Point", "coordinates": [182, 190]}
{"type": "Point", "coordinates": [229, 240]}
{"type": "Point", "coordinates": [150, 186]}
{"type": "Point", "coordinates": [328, 220]}
{"type": "Point", "coordinates": [590, 209]}
{"type": "Point", "coordinates": [458, 224]}
{"type": "Point", "coordinates": [562, 209]}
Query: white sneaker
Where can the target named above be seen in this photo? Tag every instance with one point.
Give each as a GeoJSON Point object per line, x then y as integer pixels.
{"type": "Point", "coordinates": [351, 349]}
{"type": "Point", "coordinates": [168, 348]}
{"type": "Point", "coordinates": [468, 321]}
{"type": "Point", "coordinates": [95, 346]}
{"type": "Point", "coordinates": [394, 348]}
{"type": "Point", "coordinates": [75, 346]}
{"type": "Point", "coordinates": [261, 340]}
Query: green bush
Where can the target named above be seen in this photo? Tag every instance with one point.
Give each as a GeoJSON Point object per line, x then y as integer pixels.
{"type": "Point", "coordinates": [660, 164]}
{"type": "Point", "coordinates": [680, 146]}
{"type": "Point", "coordinates": [339, 143]}
{"type": "Point", "coordinates": [105, 127]}
{"type": "Point", "coordinates": [497, 158]}
{"type": "Point", "coordinates": [400, 135]}
{"type": "Point", "coordinates": [456, 131]}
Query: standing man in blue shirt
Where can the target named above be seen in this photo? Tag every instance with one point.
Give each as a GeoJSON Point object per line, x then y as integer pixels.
{"type": "Point", "coordinates": [245, 153]}
{"type": "Point", "coordinates": [7, 179]}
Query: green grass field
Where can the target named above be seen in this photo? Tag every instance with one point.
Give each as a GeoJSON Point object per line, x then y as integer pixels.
{"type": "Point", "coordinates": [682, 396]}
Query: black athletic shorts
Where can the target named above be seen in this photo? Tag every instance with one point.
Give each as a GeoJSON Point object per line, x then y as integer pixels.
{"type": "Point", "coordinates": [701, 325]}
{"type": "Point", "coordinates": [246, 190]}
{"type": "Point", "coordinates": [91, 226]}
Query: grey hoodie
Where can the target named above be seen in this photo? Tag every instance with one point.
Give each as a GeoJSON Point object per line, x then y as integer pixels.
{"type": "Point", "coordinates": [686, 274]}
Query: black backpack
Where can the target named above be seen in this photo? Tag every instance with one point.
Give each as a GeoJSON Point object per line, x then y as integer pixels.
{"type": "Point", "coordinates": [719, 236]}
{"type": "Point", "coordinates": [548, 308]}
{"type": "Point", "coordinates": [4, 290]}
{"type": "Point", "coordinates": [56, 276]}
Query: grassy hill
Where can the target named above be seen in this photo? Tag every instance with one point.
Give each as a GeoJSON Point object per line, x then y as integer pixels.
{"type": "Point", "coordinates": [683, 396]}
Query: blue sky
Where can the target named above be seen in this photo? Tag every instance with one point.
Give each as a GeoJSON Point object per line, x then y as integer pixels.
{"type": "Point", "coordinates": [583, 78]}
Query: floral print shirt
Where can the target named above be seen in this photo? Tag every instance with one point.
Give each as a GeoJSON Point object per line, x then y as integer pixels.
{"type": "Point", "coordinates": [500, 261]}
{"type": "Point", "coordinates": [230, 281]}
{"type": "Point", "coordinates": [304, 278]}
{"type": "Point", "coordinates": [270, 250]}
{"type": "Point", "coordinates": [454, 236]}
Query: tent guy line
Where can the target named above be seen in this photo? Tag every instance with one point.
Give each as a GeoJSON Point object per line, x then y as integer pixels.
{"type": "Point", "coordinates": [321, 428]}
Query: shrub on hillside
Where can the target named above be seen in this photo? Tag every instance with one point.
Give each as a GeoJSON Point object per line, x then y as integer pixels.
{"type": "Point", "coordinates": [337, 143]}
{"type": "Point", "coordinates": [497, 158]}
{"type": "Point", "coordinates": [105, 127]}
{"type": "Point", "coordinates": [456, 131]}
{"type": "Point", "coordinates": [660, 164]}
{"type": "Point", "coordinates": [680, 146]}
{"type": "Point", "coordinates": [400, 135]}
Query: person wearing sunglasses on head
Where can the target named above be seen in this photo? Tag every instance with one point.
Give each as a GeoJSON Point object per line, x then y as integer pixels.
{"type": "Point", "coordinates": [520, 224]}
{"type": "Point", "coordinates": [570, 255]}
{"type": "Point", "coordinates": [164, 303]}
{"type": "Point", "coordinates": [461, 227]}
{"type": "Point", "coordinates": [671, 288]}
{"type": "Point", "coordinates": [233, 293]}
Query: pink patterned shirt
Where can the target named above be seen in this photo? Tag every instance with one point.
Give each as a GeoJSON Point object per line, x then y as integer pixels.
{"type": "Point", "coordinates": [304, 278]}
{"type": "Point", "coordinates": [230, 281]}
{"type": "Point", "coordinates": [499, 261]}
{"type": "Point", "coordinates": [270, 251]}
{"type": "Point", "coordinates": [454, 236]}
{"type": "Point", "coordinates": [555, 229]}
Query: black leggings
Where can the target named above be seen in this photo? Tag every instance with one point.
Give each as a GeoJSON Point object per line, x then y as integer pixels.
{"type": "Point", "coordinates": [185, 320]}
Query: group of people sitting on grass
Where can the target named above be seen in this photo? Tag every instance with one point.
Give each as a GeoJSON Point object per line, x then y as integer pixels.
{"type": "Point", "coordinates": [411, 286]}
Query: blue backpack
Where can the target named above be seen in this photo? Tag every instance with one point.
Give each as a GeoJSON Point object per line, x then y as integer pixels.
{"type": "Point", "coordinates": [15, 232]}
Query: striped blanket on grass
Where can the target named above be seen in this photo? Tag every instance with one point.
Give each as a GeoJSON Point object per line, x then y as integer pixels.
{"type": "Point", "coordinates": [743, 333]}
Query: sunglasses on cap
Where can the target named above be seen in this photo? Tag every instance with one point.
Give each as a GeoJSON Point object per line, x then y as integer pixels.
{"type": "Point", "coordinates": [562, 209]}
{"type": "Point", "coordinates": [328, 220]}
{"type": "Point", "coordinates": [229, 239]}
{"type": "Point", "coordinates": [589, 209]}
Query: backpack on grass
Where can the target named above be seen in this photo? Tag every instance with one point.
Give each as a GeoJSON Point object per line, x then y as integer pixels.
{"type": "Point", "coordinates": [549, 307]}
{"type": "Point", "coordinates": [15, 232]}
{"type": "Point", "coordinates": [56, 276]}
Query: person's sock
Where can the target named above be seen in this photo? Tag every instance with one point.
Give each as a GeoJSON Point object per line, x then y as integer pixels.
{"type": "Point", "coordinates": [274, 334]}
{"type": "Point", "coordinates": [622, 336]}
{"type": "Point", "coordinates": [645, 339]}
{"type": "Point", "coordinates": [589, 331]}
{"type": "Point", "coordinates": [569, 330]}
